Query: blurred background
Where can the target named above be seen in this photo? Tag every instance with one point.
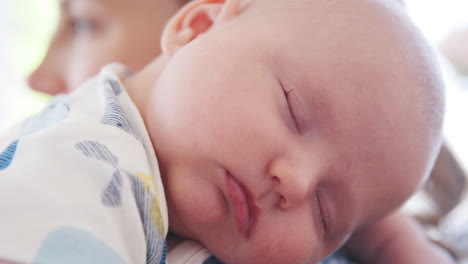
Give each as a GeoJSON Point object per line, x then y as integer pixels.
{"type": "Point", "coordinates": [27, 25]}
{"type": "Point", "coordinates": [25, 29]}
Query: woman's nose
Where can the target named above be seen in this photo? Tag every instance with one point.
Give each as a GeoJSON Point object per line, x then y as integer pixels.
{"type": "Point", "coordinates": [48, 77]}
{"type": "Point", "coordinates": [46, 81]}
{"type": "Point", "coordinates": [295, 182]}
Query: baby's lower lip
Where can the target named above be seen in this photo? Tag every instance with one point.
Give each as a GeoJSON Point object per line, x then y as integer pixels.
{"type": "Point", "coordinates": [244, 211]}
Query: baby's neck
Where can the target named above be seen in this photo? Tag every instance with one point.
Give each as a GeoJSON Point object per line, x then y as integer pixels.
{"type": "Point", "coordinates": [140, 85]}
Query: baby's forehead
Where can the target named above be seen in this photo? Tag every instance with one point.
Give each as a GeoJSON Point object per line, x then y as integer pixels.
{"type": "Point", "coordinates": [366, 23]}
{"type": "Point", "coordinates": [317, 11]}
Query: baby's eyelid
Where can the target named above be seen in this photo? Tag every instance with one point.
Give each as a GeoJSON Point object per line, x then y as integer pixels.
{"type": "Point", "coordinates": [289, 97]}
{"type": "Point", "coordinates": [318, 212]}
{"type": "Point", "coordinates": [296, 109]}
{"type": "Point", "coordinates": [290, 109]}
{"type": "Point", "coordinates": [325, 216]}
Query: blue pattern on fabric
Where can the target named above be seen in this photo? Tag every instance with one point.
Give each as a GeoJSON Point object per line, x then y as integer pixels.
{"type": "Point", "coordinates": [143, 197]}
{"type": "Point", "coordinates": [7, 156]}
{"type": "Point", "coordinates": [96, 150]}
{"type": "Point", "coordinates": [56, 111]}
{"type": "Point", "coordinates": [212, 260]}
{"type": "Point", "coordinates": [114, 85]}
{"type": "Point", "coordinates": [154, 240]}
{"type": "Point", "coordinates": [75, 246]}
{"type": "Point", "coordinates": [114, 114]}
{"type": "Point", "coordinates": [112, 193]}
{"type": "Point", "coordinates": [164, 254]}
{"type": "Point", "coordinates": [336, 258]}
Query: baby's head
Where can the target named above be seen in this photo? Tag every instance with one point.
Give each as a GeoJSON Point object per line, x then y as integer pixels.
{"type": "Point", "coordinates": [282, 126]}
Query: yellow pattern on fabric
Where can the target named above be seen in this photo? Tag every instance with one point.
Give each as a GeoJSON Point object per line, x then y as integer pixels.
{"type": "Point", "coordinates": [155, 209]}
{"type": "Point", "coordinates": [156, 216]}
{"type": "Point", "coordinates": [147, 180]}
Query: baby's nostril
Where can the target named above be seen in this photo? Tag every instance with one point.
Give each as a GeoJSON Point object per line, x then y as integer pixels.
{"type": "Point", "coordinates": [282, 201]}
{"type": "Point", "coordinates": [276, 180]}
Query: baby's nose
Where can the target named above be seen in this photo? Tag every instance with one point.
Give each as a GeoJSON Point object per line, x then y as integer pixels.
{"type": "Point", "coordinates": [292, 193]}
{"type": "Point", "coordinates": [295, 183]}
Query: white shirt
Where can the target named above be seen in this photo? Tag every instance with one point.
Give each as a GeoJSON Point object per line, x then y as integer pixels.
{"type": "Point", "coordinates": [80, 183]}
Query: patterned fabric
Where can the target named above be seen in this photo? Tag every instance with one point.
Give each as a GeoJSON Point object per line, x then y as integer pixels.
{"type": "Point", "coordinates": [7, 156]}
{"type": "Point", "coordinates": [79, 182]}
{"type": "Point", "coordinates": [75, 246]}
{"type": "Point", "coordinates": [336, 258]}
{"type": "Point", "coordinates": [212, 260]}
{"type": "Point", "coordinates": [114, 114]}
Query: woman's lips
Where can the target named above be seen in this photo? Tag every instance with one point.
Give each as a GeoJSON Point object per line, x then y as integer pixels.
{"type": "Point", "coordinates": [244, 210]}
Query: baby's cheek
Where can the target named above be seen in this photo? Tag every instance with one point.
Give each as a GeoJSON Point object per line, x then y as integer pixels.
{"type": "Point", "coordinates": [196, 202]}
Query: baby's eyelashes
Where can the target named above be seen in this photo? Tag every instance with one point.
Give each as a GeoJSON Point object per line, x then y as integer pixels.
{"type": "Point", "coordinates": [298, 111]}
{"type": "Point", "coordinates": [323, 213]}
{"type": "Point", "coordinates": [291, 99]}
{"type": "Point", "coordinates": [295, 109]}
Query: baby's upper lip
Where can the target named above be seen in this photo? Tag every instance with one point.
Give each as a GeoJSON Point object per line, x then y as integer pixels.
{"type": "Point", "coordinates": [244, 208]}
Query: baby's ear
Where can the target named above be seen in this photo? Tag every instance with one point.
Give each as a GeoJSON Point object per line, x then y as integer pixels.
{"type": "Point", "coordinates": [195, 18]}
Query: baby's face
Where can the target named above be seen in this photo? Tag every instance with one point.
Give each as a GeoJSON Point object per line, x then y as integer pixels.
{"type": "Point", "coordinates": [277, 138]}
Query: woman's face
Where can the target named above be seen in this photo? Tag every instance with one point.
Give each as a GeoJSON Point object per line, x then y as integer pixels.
{"type": "Point", "coordinates": [92, 33]}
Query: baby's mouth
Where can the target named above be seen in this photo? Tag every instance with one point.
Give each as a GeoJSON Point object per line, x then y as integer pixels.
{"type": "Point", "coordinates": [243, 207]}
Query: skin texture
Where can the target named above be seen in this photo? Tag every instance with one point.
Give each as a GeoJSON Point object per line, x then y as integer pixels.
{"type": "Point", "coordinates": [330, 127]}
{"type": "Point", "coordinates": [92, 33]}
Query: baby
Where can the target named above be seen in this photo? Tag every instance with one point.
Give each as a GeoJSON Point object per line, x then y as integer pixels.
{"type": "Point", "coordinates": [283, 130]}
